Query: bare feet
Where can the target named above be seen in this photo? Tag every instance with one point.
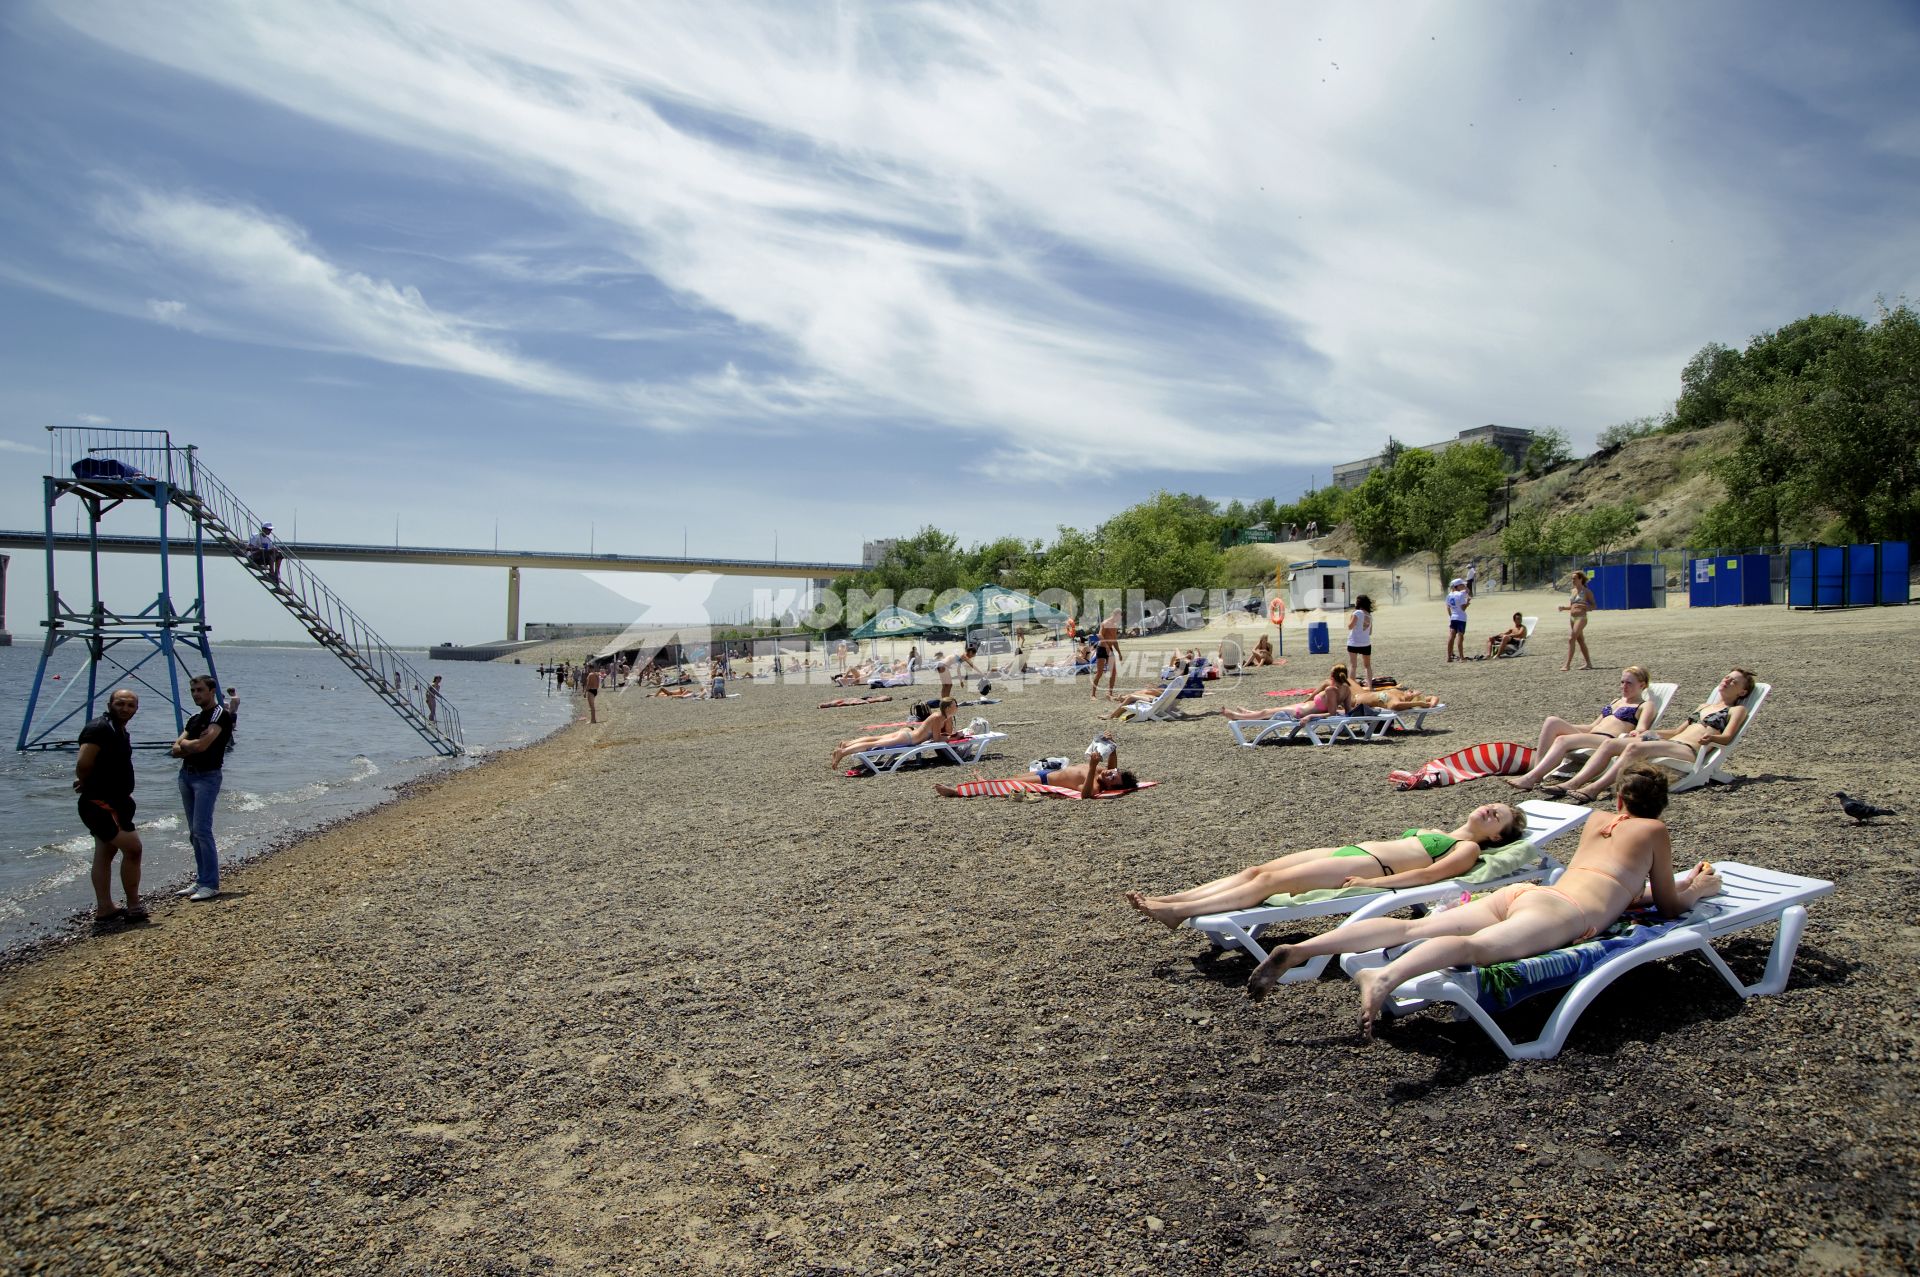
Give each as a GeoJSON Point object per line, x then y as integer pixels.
{"type": "Point", "coordinates": [1373, 999]}
{"type": "Point", "coordinates": [1516, 783]}
{"type": "Point", "coordinates": [1279, 961]}
{"type": "Point", "coordinates": [946, 791]}
{"type": "Point", "coordinates": [1165, 915]}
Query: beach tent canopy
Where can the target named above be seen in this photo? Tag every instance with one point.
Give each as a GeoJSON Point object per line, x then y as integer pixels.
{"type": "Point", "coordinates": [996, 605]}
{"type": "Point", "coordinates": [893, 622]}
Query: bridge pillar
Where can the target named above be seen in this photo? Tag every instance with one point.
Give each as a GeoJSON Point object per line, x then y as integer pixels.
{"type": "Point", "coordinates": [513, 605]}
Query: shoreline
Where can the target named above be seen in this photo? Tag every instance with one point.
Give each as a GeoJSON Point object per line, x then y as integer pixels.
{"type": "Point", "coordinates": [666, 992]}
{"type": "Point", "coordinates": [77, 925]}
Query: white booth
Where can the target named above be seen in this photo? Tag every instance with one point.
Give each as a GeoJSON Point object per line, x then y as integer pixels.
{"type": "Point", "coordinates": [1319, 583]}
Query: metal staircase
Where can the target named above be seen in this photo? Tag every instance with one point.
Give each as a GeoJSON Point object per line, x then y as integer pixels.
{"type": "Point", "coordinates": [225, 519]}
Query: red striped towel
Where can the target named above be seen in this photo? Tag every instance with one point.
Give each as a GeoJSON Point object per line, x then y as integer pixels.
{"type": "Point", "coordinates": [1498, 758]}
{"type": "Point", "coordinates": [1004, 788]}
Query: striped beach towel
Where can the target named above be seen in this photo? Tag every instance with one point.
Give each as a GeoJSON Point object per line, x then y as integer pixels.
{"type": "Point", "coordinates": [1007, 788]}
{"type": "Point", "coordinates": [1505, 984]}
{"type": "Point", "coordinates": [1498, 758]}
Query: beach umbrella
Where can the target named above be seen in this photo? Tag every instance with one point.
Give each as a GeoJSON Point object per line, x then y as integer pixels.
{"type": "Point", "coordinates": [996, 605]}
{"type": "Point", "coordinates": [893, 622]}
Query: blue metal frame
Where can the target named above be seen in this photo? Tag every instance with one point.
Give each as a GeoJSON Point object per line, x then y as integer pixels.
{"type": "Point", "coordinates": [100, 630]}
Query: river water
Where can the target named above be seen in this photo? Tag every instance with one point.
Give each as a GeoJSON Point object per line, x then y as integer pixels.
{"type": "Point", "coordinates": [312, 745]}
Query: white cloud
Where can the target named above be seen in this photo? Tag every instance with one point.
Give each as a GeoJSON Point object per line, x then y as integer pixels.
{"type": "Point", "coordinates": [167, 312]}
{"type": "Point", "coordinates": [9, 445]}
{"type": "Point", "coordinates": [1092, 236]}
{"type": "Point", "coordinates": [92, 419]}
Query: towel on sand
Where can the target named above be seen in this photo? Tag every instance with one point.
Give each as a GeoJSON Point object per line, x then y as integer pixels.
{"type": "Point", "coordinates": [1006, 788]}
{"type": "Point", "coordinates": [1498, 758]}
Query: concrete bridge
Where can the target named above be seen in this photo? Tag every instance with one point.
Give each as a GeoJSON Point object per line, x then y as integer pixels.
{"type": "Point", "coordinates": [512, 560]}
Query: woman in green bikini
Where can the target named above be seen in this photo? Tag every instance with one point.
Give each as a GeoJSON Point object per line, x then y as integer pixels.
{"type": "Point", "coordinates": [1418, 857]}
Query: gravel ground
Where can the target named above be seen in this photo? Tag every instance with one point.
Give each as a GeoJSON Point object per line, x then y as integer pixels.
{"type": "Point", "coordinates": [667, 994]}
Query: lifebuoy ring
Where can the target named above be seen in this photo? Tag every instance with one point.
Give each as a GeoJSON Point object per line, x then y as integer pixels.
{"type": "Point", "coordinates": [1277, 610]}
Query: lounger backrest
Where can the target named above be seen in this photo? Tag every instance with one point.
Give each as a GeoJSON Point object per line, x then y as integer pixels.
{"type": "Point", "coordinates": [1662, 696]}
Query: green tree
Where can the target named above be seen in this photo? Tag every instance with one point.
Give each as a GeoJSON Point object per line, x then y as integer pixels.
{"type": "Point", "coordinates": [1452, 499]}
{"type": "Point", "coordinates": [1549, 451]}
{"type": "Point", "coordinates": [1706, 388]}
{"type": "Point", "coordinates": [1164, 545]}
{"type": "Point", "coordinates": [1616, 437]}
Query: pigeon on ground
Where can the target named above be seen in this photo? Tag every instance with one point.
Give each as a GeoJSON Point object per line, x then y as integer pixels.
{"type": "Point", "coordinates": [1860, 811]}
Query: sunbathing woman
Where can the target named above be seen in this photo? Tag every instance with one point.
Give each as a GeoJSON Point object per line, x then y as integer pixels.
{"type": "Point", "coordinates": [935, 726]}
{"type": "Point", "coordinates": [1714, 723]}
{"type": "Point", "coordinates": [1622, 858]}
{"type": "Point", "coordinates": [1394, 699]}
{"type": "Point", "coordinates": [1335, 696]}
{"type": "Point", "coordinates": [1631, 711]}
{"type": "Point", "coordinates": [1417, 857]}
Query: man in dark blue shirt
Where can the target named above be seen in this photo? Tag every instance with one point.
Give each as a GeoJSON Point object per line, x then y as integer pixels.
{"type": "Point", "coordinates": [202, 749]}
{"type": "Point", "coordinates": [103, 777]}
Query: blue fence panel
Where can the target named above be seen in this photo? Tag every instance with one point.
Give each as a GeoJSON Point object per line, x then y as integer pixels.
{"type": "Point", "coordinates": [1862, 575]}
{"type": "Point", "coordinates": [1893, 572]}
{"type": "Point", "coordinates": [1829, 576]}
{"type": "Point", "coordinates": [1800, 577]}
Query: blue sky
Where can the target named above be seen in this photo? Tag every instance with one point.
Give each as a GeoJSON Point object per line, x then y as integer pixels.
{"type": "Point", "coordinates": [827, 273]}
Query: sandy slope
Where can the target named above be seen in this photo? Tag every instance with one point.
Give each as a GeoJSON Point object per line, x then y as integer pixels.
{"type": "Point", "coordinates": [666, 994]}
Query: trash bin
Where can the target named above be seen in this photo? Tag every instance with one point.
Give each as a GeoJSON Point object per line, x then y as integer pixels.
{"type": "Point", "coordinates": [1318, 644]}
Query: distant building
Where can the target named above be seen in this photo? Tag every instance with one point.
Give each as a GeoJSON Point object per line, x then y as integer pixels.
{"type": "Point", "coordinates": [871, 552]}
{"type": "Point", "coordinates": [1511, 440]}
{"type": "Point", "coordinates": [547, 630]}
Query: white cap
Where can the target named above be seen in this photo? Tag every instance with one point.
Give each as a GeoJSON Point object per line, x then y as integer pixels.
{"type": "Point", "coordinates": [1458, 581]}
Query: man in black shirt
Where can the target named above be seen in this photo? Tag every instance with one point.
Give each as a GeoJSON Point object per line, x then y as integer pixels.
{"type": "Point", "coordinates": [103, 777]}
{"type": "Point", "coordinates": [201, 749]}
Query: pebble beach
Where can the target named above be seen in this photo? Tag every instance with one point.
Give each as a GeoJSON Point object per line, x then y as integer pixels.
{"type": "Point", "coordinates": [666, 994]}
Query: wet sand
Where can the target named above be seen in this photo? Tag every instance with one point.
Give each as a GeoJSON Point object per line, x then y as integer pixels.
{"type": "Point", "coordinates": [666, 994]}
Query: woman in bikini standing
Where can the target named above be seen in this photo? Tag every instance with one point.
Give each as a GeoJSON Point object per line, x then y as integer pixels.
{"type": "Point", "coordinates": [1621, 860]}
{"type": "Point", "coordinates": [1418, 857]}
{"type": "Point", "coordinates": [1335, 696]}
{"type": "Point", "coordinates": [1628, 712]}
{"type": "Point", "coordinates": [1715, 723]}
{"type": "Point", "coordinates": [1578, 604]}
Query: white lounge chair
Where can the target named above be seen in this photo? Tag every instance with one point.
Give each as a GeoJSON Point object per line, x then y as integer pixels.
{"type": "Point", "coordinates": [1520, 648]}
{"type": "Point", "coordinates": [1707, 767]}
{"type": "Point", "coordinates": [1320, 731]}
{"type": "Point", "coordinates": [1160, 707]}
{"type": "Point", "coordinates": [956, 749]}
{"type": "Point", "coordinates": [1751, 897]}
{"type": "Point", "coordinates": [1517, 862]}
{"type": "Point", "coordinates": [1418, 718]}
{"type": "Point", "coordinates": [1661, 694]}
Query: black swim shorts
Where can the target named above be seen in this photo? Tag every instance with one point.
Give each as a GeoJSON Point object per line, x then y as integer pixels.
{"type": "Point", "coordinates": [107, 819]}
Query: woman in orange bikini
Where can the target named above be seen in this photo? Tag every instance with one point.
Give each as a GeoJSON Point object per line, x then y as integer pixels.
{"type": "Point", "coordinates": [1335, 696]}
{"type": "Point", "coordinates": [1622, 859]}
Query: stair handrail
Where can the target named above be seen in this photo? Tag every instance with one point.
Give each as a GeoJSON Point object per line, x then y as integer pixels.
{"type": "Point", "coordinates": [153, 453]}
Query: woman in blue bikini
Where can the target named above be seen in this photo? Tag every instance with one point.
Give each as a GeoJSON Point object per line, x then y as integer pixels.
{"type": "Point", "coordinates": [1629, 712]}
{"type": "Point", "coordinates": [1417, 857]}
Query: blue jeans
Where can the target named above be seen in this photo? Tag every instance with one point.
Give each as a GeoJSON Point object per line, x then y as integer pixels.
{"type": "Point", "coordinates": [199, 791]}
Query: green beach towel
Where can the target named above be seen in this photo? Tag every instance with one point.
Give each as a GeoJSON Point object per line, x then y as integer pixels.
{"type": "Point", "coordinates": [1497, 863]}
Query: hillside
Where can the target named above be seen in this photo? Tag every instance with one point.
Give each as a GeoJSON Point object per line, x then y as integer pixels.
{"type": "Point", "coordinates": [1668, 475]}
